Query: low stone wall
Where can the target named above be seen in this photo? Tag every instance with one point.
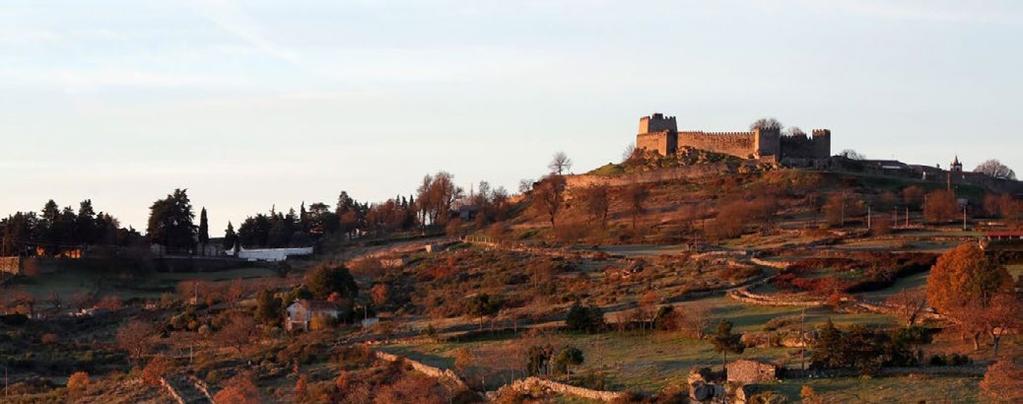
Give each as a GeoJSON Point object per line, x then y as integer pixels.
{"type": "Point", "coordinates": [666, 174]}
{"type": "Point", "coordinates": [745, 296]}
{"type": "Point", "coordinates": [187, 390]}
{"type": "Point", "coordinates": [442, 375]}
{"type": "Point", "coordinates": [779, 265]}
{"type": "Point", "coordinates": [535, 383]}
{"type": "Point", "coordinates": [892, 310]}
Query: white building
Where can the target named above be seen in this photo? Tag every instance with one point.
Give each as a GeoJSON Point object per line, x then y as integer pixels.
{"type": "Point", "coordinates": [273, 254]}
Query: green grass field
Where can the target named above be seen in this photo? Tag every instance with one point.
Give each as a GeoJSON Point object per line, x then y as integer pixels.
{"type": "Point", "coordinates": [648, 361]}
{"type": "Point", "coordinates": [902, 389]}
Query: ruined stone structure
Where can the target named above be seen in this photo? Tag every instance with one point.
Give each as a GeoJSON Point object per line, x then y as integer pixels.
{"type": "Point", "coordinates": [660, 133]}
{"type": "Point", "coordinates": [750, 371]}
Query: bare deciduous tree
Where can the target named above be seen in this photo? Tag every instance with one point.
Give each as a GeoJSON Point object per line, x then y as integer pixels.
{"type": "Point", "coordinates": [794, 131]}
{"type": "Point", "coordinates": [995, 169]}
{"type": "Point", "coordinates": [435, 196]}
{"type": "Point", "coordinates": [908, 304]}
{"type": "Point", "coordinates": [238, 332]}
{"type": "Point", "coordinates": [629, 151]}
{"type": "Point", "coordinates": [596, 200]}
{"type": "Point", "coordinates": [136, 338]}
{"type": "Point", "coordinates": [548, 197]}
{"type": "Point", "coordinates": [852, 154]}
{"type": "Point", "coordinates": [766, 124]}
{"type": "Point", "coordinates": [560, 163]}
{"type": "Point", "coordinates": [636, 196]}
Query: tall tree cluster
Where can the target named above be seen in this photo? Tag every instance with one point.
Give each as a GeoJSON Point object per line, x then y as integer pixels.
{"type": "Point", "coordinates": [58, 229]}
{"type": "Point", "coordinates": [274, 229]}
{"type": "Point", "coordinates": [492, 204]}
{"type": "Point", "coordinates": [171, 222]}
{"type": "Point", "coordinates": [435, 197]}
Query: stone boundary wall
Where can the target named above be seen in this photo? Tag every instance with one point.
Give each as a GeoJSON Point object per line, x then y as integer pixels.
{"type": "Point", "coordinates": [745, 296]}
{"type": "Point", "coordinates": [779, 265]}
{"type": "Point", "coordinates": [535, 383]}
{"type": "Point", "coordinates": [442, 375]}
{"type": "Point", "coordinates": [888, 309]}
{"type": "Point", "coordinates": [488, 242]}
{"type": "Point", "coordinates": [665, 174]}
{"type": "Point", "coordinates": [194, 383]}
{"type": "Point", "coordinates": [170, 390]}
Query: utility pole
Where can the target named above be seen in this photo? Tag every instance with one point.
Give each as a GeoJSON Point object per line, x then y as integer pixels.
{"type": "Point", "coordinates": [964, 217]}
{"type": "Point", "coordinates": [868, 217]}
{"type": "Point", "coordinates": [907, 216]}
{"type": "Point", "coordinates": [843, 210]}
{"type": "Point", "coordinates": [802, 339]}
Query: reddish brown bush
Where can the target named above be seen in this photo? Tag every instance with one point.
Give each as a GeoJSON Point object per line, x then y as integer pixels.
{"type": "Point", "coordinates": [941, 206]}
{"type": "Point", "coordinates": [239, 390]}
{"type": "Point", "coordinates": [156, 370]}
{"type": "Point", "coordinates": [77, 383]}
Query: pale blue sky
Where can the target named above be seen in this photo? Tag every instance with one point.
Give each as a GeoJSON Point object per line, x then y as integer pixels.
{"type": "Point", "coordinates": [250, 104]}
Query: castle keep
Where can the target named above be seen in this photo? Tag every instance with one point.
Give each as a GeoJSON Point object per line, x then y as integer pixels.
{"type": "Point", "coordinates": [660, 133]}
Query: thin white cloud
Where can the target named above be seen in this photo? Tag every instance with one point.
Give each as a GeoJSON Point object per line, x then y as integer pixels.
{"type": "Point", "coordinates": [75, 80]}
{"type": "Point", "coordinates": [933, 11]}
{"type": "Point", "coordinates": [229, 17]}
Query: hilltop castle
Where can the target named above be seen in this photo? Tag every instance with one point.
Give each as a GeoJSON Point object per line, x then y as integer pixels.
{"type": "Point", "coordinates": [660, 133]}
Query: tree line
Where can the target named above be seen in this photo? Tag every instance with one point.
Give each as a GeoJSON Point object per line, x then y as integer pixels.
{"type": "Point", "coordinates": [54, 230]}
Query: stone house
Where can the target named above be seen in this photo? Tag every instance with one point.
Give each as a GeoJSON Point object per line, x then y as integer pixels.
{"type": "Point", "coordinates": [747, 371]}
{"type": "Point", "coordinates": [302, 312]}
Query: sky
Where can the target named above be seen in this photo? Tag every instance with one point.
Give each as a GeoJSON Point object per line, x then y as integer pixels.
{"type": "Point", "coordinates": [255, 104]}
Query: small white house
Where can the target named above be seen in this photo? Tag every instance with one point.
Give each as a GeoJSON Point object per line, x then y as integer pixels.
{"type": "Point", "coordinates": [302, 312]}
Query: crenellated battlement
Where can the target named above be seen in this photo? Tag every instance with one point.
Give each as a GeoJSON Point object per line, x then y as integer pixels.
{"type": "Point", "coordinates": [659, 133]}
{"type": "Point", "coordinates": [725, 134]}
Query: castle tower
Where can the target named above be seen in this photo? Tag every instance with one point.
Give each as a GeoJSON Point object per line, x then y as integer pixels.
{"type": "Point", "coordinates": [658, 133]}
{"type": "Point", "coordinates": [821, 143]}
{"type": "Point", "coordinates": [956, 167]}
{"type": "Point", "coordinates": [657, 123]}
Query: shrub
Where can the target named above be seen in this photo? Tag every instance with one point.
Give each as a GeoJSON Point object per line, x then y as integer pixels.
{"type": "Point", "coordinates": [768, 397]}
{"type": "Point", "coordinates": [77, 382]}
{"type": "Point", "coordinates": [1003, 382]}
{"type": "Point", "coordinates": [588, 319]}
{"type": "Point", "coordinates": [239, 390]}
{"type": "Point", "coordinates": [322, 322]}
{"type": "Point", "coordinates": [49, 339]}
{"type": "Point", "coordinates": [324, 280]}
{"type": "Point", "coordinates": [156, 370]}
{"type": "Point", "coordinates": [954, 359]}
{"type": "Point", "coordinates": [780, 322]}
{"type": "Point", "coordinates": [567, 357]}
{"type": "Point", "coordinates": [862, 349]}
{"type": "Point", "coordinates": [13, 320]}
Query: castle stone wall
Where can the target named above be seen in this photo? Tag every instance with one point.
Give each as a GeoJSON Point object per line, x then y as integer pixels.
{"type": "Point", "coordinates": [739, 144]}
{"type": "Point", "coordinates": [803, 147]}
{"type": "Point", "coordinates": [660, 133]}
{"type": "Point", "coordinates": [767, 141]}
{"type": "Point", "coordinates": [664, 143]}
